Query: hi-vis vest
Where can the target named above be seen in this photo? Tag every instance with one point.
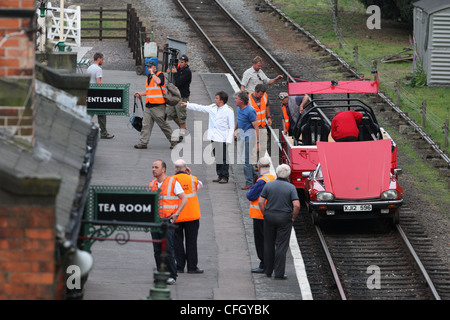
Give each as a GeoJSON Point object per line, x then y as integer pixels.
{"type": "Point", "coordinates": [254, 211]}
{"type": "Point", "coordinates": [191, 211]}
{"type": "Point", "coordinates": [154, 93]}
{"type": "Point", "coordinates": [285, 117]}
{"type": "Point", "coordinates": [261, 110]}
{"type": "Point", "coordinates": [169, 201]}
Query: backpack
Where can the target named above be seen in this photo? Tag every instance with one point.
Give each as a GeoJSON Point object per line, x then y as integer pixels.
{"type": "Point", "coordinates": [172, 95]}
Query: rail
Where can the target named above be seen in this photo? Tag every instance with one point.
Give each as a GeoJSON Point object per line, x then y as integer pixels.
{"type": "Point", "coordinates": [249, 36]}
{"type": "Point", "coordinates": [410, 250]}
{"type": "Point", "coordinates": [256, 42]}
{"type": "Point", "coordinates": [331, 263]}
{"type": "Point", "coordinates": [418, 262]}
{"type": "Point", "coordinates": [216, 51]}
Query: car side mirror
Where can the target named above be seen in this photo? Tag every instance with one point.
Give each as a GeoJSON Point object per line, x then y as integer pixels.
{"type": "Point", "coordinates": [398, 171]}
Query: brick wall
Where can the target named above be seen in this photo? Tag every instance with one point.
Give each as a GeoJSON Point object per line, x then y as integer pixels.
{"type": "Point", "coordinates": [27, 252]}
{"type": "Point", "coordinates": [17, 60]}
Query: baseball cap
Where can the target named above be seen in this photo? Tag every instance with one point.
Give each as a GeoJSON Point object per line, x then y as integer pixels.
{"type": "Point", "coordinates": [150, 63]}
{"type": "Point", "coordinates": [283, 95]}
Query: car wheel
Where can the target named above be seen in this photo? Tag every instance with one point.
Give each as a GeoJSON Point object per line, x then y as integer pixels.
{"type": "Point", "coordinates": [396, 217]}
{"type": "Point", "coordinates": [315, 218]}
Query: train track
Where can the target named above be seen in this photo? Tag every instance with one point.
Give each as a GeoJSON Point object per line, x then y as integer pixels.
{"type": "Point", "coordinates": [228, 38]}
{"type": "Point", "coordinates": [235, 48]}
{"type": "Point", "coordinates": [233, 45]}
{"type": "Point", "coordinates": [376, 265]}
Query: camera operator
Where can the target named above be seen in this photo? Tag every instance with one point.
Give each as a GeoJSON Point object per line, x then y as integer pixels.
{"type": "Point", "coordinates": [182, 76]}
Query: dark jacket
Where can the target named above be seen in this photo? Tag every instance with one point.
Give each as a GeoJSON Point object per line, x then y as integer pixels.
{"type": "Point", "coordinates": [183, 78]}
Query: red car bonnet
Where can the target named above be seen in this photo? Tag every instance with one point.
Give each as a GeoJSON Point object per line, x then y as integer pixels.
{"type": "Point", "coordinates": [355, 170]}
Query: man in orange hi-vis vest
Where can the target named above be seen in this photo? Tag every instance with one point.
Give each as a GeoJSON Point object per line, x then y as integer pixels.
{"type": "Point", "coordinates": [172, 202]}
{"type": "Point", "coordinates": [155, 107]}
{"type": "Point", "coordinates": [188, 222]}
{"type": "Point", "coordinates": [259, 100]}
{"type": "Point", "coordinates": [255, 212]}
{"type": "Point", "coordinates": [292, 108]}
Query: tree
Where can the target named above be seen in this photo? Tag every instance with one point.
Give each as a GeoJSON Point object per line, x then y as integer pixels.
{"type": "Point", "coordinates": [394, 9]}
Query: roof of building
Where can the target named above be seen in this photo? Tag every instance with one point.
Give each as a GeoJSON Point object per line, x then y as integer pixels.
{"type": "Point", "coordinates": [56, 160]}
{"type": "Point", "coordinates": [431, 6]}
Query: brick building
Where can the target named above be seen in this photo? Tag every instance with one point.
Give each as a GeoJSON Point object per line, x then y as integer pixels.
{"type": "Point", "coordinates": [47, 148]}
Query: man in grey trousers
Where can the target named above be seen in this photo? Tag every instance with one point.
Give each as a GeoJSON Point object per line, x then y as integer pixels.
{"type": "Point", "coordinates": [280, 205]}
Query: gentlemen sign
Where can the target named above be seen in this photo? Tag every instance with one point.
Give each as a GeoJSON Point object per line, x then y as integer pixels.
{"type": "Point", "coordinates": [123, 204]}
{"type": "Point", "coordinates": [108, 99]}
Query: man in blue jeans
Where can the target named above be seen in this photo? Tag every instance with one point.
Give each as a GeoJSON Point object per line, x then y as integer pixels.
{"type": "Point", "coordinates": [248, 130]}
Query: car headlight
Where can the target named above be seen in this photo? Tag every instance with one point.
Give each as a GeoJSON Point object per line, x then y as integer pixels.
{"type": "Point", "coordinates": [325, 196]}
{"type": "Point", "coordinates": [389, 195]}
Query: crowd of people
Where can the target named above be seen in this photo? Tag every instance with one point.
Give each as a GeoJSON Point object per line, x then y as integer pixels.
{"type": "Point", "coordinates": [273, 200]}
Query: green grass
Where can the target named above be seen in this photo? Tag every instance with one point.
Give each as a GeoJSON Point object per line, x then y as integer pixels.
{"type": "Point", "coordinates": [425, 177]}
{"type": "Point", "coordinates": [316, 17]}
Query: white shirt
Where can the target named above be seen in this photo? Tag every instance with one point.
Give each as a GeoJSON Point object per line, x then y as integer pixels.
{"type": "Point", "coordinates": [221, 121]}
{"type": "Point", "coordinates": [95, 72]}
{"type": "Point", "coordinates": [177, 188]}
{"type": "Point", "coordinates": [251, 78]}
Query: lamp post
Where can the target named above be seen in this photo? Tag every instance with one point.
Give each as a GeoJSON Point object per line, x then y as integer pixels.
{"type": "Point", "coordinates": [61, 46]}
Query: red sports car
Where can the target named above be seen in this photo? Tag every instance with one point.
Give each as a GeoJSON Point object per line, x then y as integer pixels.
{"type": "Point", "coordinates": [354, 180]}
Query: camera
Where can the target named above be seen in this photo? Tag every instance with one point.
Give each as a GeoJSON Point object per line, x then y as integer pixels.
{"type": "Point", "coordinates": [173, 56]}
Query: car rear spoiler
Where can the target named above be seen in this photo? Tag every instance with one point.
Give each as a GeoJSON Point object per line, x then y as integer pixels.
{"type": "Point", "coordinates": [322, 87]}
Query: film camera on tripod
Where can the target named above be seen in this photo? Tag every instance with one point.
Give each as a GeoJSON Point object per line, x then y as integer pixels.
{"type": "Point", "coordinates": [172, 60]}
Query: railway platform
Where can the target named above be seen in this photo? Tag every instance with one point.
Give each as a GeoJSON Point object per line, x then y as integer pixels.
{"type": "Point", "coordinates": [225, 243]}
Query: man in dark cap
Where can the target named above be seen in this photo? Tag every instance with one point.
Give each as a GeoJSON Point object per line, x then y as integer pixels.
{"type": "Point", "coordinates": [182, 80]}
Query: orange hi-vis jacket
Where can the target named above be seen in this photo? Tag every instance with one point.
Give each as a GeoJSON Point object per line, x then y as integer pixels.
{"type": "Point", "coordinates": [191, 211]}
{"type": "Point", "coordinates": [285, 117]}
{"type": "Point", "coordinates": [154, 93]}
{"type": "Point", "coordinates": [261, 110]}
{"type": "Point", "coordinates": [254, 211]}
{"type": "Point", "coordinates": [169, 201]}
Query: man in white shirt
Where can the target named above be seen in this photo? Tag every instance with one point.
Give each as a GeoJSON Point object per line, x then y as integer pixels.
{"type": "Point", "coordinates": [96, 74]}
{"type": "Point", "coordinates": [254, 75]}
{"type": "Point", "coordinates": [220, 130]}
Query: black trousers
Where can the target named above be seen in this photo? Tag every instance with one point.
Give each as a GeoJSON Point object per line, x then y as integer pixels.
{"type": "Point", "coordinates": [346, 139]}
{"type": "Point", "coordinates": [258, 233]}
{"type": "Point", "coordinates": [221, 155]}
{"type": "Point", "coordinates": [169, 261]}
{"type": "Point", "coordinates": [186, 254]}
{"type": "Point", "coordinates": [277, 233]}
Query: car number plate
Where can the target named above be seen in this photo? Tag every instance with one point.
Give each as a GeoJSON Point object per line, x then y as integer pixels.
{"type": "Point", "coordinates": [358, 207]}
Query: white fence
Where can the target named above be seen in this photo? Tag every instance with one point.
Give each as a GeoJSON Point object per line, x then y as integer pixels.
{"type": "Point", "coordinates": [72, 25]}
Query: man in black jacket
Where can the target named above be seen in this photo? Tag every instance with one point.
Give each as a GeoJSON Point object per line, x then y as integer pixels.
{"type": "Point", "coordinates": [182, 79]}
